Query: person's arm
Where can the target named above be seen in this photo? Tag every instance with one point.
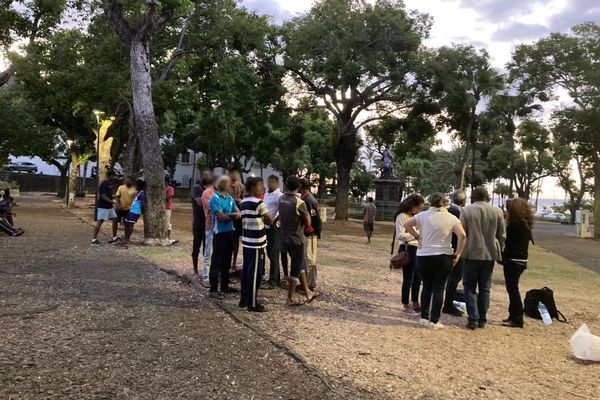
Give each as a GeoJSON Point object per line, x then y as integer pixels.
{"type": "Point", "coordinates": [118, 198]}
{"type": "Point", "coordinates": [197, 196]}
{"type": "Point", "coordinates": [501, 230]}
{"type": "Point", "coordinates": [402, 234]}
{"type": "Point", "coordinates": [460, 233]}
{"type": "Point", "coordinates": [304, 214]}
{"type": "Point", "coordinates": [236, 214]}
{"type": "Point", "coordinates": [217, 209]}
{"type": "Point", "coordinates": [410, 226]}
{"type": "Point", "coordinates": [263, 211]}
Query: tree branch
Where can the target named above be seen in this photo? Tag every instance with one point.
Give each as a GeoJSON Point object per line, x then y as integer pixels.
{"type": "Point", "coordinates": [114, 12]}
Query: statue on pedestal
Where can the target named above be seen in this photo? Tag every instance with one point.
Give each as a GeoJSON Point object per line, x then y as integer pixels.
{"type": "Point", "coordinates": [388, 164]}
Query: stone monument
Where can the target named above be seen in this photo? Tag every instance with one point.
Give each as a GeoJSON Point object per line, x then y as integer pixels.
{"type": "Point", "coordinates": [387, 187]}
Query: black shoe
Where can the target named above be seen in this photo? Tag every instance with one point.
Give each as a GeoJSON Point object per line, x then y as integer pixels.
{"type": "Point", "coordinates": [230, 290]}
{"type": "Point", "coordinates": [506, 320]}
{"type": "Point", "coordinates": [258, 308]}
{"type": "Point", "coordinates": [215, 295]}
{"type": "Point", "coordinates": [472, 325]}
{"type": "Point", "coordinates": [243, 304]}
{"type": "Point", "coordinates": [481, 325]}
{"type": "Point", "coordinates": [451, 310]}
{"type": "Point", "coordinates": [512, 324]}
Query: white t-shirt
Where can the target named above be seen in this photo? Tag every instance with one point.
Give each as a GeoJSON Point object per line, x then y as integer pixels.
{"type": "Point", "coordinates": [271, 200]}
{"type": "Point", "coordinates": [435, 226]}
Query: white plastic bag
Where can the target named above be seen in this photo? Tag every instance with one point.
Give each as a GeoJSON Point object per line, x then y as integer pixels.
{"type": "Point", "coordinates": [585, 345]}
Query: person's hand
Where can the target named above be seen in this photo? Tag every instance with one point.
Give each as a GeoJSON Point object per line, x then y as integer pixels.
{"type": "Point", "coordinates": [455, 259]}
{"type": "Point", "coordinates": [236, 215]}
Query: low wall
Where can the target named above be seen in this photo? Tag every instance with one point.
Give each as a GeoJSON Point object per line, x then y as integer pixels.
{"type": "Point", "coordinates": [41, 183]}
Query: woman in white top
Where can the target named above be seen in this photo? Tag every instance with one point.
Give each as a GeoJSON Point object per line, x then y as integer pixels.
{"type": "Point", "coordinates": [435, 256]}
{"type": "Point", "coordinates": [411, 282]}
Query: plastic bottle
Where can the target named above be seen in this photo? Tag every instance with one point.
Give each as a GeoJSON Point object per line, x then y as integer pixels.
{"type": "Point", "coordinates": [544, 313]}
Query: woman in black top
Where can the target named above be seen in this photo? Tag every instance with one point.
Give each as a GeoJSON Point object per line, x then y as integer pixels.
{"type": "Point", "coordinates": [519, 222]}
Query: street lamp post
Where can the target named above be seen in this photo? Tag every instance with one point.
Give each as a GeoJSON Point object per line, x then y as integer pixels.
{"type": "Point", "coordinates": [67, 194]}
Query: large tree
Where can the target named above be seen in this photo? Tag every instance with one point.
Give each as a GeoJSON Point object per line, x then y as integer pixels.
{"type": "Point", "coordinates": [568, 62]}
{"type": "Point", "coordinates": [359, 60]}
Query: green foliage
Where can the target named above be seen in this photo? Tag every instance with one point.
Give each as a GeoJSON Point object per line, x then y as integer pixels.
{"type": "Point", "coordinates": [361, 181]}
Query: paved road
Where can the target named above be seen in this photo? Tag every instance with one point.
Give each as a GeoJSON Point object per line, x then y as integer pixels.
{"type": "Point", "coordinates": [561, 239]}
{"type": "Point", "coordinates": [98, 323]}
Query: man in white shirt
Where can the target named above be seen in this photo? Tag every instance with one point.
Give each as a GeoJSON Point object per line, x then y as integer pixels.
{"type": "Point", "coordinates": [271, 200]}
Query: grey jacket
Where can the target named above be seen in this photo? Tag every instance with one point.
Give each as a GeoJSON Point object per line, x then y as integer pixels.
{"type": "Point", "coordinates": [486, 232]}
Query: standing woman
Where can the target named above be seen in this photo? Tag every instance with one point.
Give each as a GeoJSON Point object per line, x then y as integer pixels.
{"type": "Point", "coordinates": [411, 281]}
{"type": "Point", "coordinates": [435, 256]}
{"type": "Point", "coordinates": [519, 222]}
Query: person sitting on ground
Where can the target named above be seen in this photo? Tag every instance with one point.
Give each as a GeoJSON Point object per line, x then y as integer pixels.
{"type": "Point", "coordinates": [435, 256]}
{"type": "Point", "coordinates": [369, 211]}
{"type": "Point", "coordinates": [459, 200]}
{"type": "Point", "coordinates": [254, 241]}
{"type": "Point", "coordinates": [9, 201]}
{"type": "Point", "coordinates": [519, 222]}
{"type": "Point", "coordinates": [137, 207]}
{"type": "Point", "coordinates": [6, 226]}
{"type": "Point", "coordinates": [224, 211]}
{"type": "Point", "coordinates": [104, 205]}
{"type": "Point", "coordinates": [294, 217]}
{"type": "Point", "coordinates": [485, 227]}
{"type": "Point", "coordinates": [123, 199]}
{"type": "Point", "coordinates": [411, 280]}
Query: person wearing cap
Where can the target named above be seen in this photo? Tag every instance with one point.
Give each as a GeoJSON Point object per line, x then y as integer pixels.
{"type": "Point", "coordinates": [104, 205]}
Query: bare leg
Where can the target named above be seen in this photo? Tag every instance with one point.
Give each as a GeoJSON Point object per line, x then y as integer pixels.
{"type": "Point", "coordinates": [309, 293]}
{"type": "Point", "coordinates": [115, 226]}
{"type": "Point", "coordinates": [292, 300]}
{"type": "Point", "coordinates": [97, 228]}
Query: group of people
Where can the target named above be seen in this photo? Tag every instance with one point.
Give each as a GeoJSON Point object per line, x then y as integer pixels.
{"type": "Point", "coordinates": [448, 243]}
{"type": "Point", "coordinates": [7, 202]}
{"type": "Point", "coordinates": [283, 226]}
{"type": "Point", "coordinates": [125, 206]}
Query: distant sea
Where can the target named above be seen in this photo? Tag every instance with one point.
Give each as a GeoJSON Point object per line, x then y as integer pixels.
{"type": "Point", "coordinates": [542, 204]}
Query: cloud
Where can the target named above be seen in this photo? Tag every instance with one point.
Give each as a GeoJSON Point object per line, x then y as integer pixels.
{"type": "Point", "coordinates": [576, 12]}
{"type": "Point", "coordinates": [469, 41]}
{"type": "Point", "coordinates": [513, 31]}
{"type": "Point", "coordinates": [268, 7]}
{"type": "Point", "coordinates": [499, 10]}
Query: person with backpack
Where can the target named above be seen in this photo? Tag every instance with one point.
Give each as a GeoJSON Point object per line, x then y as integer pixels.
{"type": "Point", "coordinates": [411, 281]}
{"type": "Point", "coordinates": [519, 222]}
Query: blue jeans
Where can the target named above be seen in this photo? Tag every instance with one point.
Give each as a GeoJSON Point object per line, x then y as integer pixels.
{"type": "Point", "coordinates": [208, 246]}
{"type": "Point", "coordinates": [477, 275]}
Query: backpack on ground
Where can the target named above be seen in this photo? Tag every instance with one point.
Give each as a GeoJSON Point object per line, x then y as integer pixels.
{"type": "Point", "coordinates": [544, 295]}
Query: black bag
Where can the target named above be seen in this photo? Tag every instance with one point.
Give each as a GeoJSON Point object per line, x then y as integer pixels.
{"type": "Point", "coordinates": [546, 297]}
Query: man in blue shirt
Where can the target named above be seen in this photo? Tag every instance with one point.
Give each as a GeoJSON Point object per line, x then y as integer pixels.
{"type": "Point", "coordinates": [224, 211]}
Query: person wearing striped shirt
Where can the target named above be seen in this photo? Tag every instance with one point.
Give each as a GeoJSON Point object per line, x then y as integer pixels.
{"type": "Point", "coordinates": [254, 241]}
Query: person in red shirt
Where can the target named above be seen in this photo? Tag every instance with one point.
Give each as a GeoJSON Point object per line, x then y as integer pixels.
{"type": "Point", "coordinates": [170, 195]}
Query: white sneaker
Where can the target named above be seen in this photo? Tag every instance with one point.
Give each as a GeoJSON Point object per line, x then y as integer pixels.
{"type": "Point", "coordinates": [436, 325]}
{"type": "Point", "coordinates": [96, 242]}
{"type": "Point", "coordinates": [423, 322]}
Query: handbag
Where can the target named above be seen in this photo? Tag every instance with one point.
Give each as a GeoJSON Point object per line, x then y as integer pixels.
{"type": "Point", "coordinates": [400, 260]}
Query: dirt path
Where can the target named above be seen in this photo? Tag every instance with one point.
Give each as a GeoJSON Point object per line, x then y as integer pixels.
{"type": "Point", "coordinates": [102, 323]}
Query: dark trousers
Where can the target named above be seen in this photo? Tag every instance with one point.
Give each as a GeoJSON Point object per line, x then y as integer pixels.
{"type": "Point", "coordinates": [284, 263]}
{"type": "Point", "coordinates": [477, 280]}
{"type": "Point", "coordinates": [221, 260]}
{"type": "Point", "coordinates": [411, 280]}
{"type": "Point", "coordinates": [512, 275]}
{"type": "Point", "coordinates": [6, 227]}
{"type": "Point", "coordinates": [453, 281]}
{"type": "Point", "coordinates": [274, 254]}
{"type": "Point", "coordinates": [198, 232]}
{"type": "Point", "coordinates": [434, 272]}
{"type": "Point", "coordinates": [252, 272]}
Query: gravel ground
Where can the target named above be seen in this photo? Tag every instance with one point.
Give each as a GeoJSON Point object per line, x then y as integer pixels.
{"type": "Point", "coordinates": [102, 323]}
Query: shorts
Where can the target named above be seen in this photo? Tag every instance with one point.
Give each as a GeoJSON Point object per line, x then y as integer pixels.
{"type": "Point", "coordinates": [168, 214]}
{"type": "Point", "coordinates": [105, 214]}
{"type": "Point", "coordinates": [368, 226]}
{"type": "Point", "coordinates": [121, 214]}
{"type": "Point", "coordinates": [296, 252]}
{"type": "Point", "coordinates": [132, 218]}
{"type": "Point", "coordinates": [237, 224]}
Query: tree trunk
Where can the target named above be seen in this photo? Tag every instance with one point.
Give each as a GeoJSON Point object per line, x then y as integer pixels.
{"type": "Point", "coordinates": [72, 184]}
{"type": "Point", "coordinates": [132, 158]}
{"type": "Point", "coordinates": [103, 158]}
{"type": "Point", "coordinates": [345, 154]}
{"type": "Point", "coordinates": [596, 159]}
{"type": "Point", "coordinates": [147, 134]}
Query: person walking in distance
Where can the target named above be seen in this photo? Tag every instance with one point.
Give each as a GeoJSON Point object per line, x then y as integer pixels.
{"type": "Point", "coordinates": [486, 231]}
{"type": "Point", "coordinates": [237, 192]}
{"type": "Point", "coordinates": [435, 256]}
{"type": "Point", "coordinates": [369, 211]}
{"type": "Point", "coordinates": [169, 196]}
{"type": "Point", "coordinates": [123, 200]}
{"type": "Point", "coordinates": [459, 200]}
{"type": "Point", "coordinates": [208, 193]}
{"type": "Point", "coordinates": [519, 222]}
{"type": "Point", "coordinates": [255, 215]}
{"type": "Point", "coordinates": [104, 205]}
{"type": "Point", "coordinates": [224, 211]}
{"type": "Point", "coordinates": [294, 217]}
{"type": "Point", "coordinates": [312, 233]}
{"type": "Point", "coordinates": [272, 230]}
{"type": "Point", "coordinates": [198, 216]}
{"type": "Point", "coordinates": [411, 280]}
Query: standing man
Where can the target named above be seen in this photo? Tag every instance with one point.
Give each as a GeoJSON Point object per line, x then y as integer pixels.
{"type": "Point", "coordinates": [254, 240]}
{"type": "Point", "coordinates": [124, 197]}
{"type": "Point", "coordinates": [294, 217]}
{"type": "Point", "coordinates": [369, 212]}
{"type": "Point", "coordinates": [208, 233]}
{"type": "Point", "coordinates": [312, 233]}
{"type": "Point", "coordinates": [273, 246]}
{"type": "Point", "coordinates": [224, 212]}
{"type": "Point", "coordinates": [199, 222]}
{"type": "Point", "coordinates": [459, 200]}
{"type": "Point", "coordinates": [169, 196]}
{"type": "Point", "coordinates": [486, 235]}
{"type": "Point", "coordinates": [104, 205]}
{"type": "Point", "coordinates": [237, 192]}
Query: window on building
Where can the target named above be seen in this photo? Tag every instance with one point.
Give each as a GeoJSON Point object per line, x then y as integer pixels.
{"type": "Point", "coordinates": [185, 157]}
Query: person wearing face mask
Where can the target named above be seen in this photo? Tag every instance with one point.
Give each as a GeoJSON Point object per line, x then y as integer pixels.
{"type": "Point", "coordinates": [199, 217]}
{"type": "Point", "coordinates": [123, 200]}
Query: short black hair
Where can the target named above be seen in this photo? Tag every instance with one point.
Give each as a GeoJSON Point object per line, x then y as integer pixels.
{"type": "Point", "coordinates": [480, 193]}
{"type": "Point", "coordinates": [305, 184]}
{"type": "Point", "coordinates": [140, 184]}
{"type": "Point", "coordinates": [206, 169]}
{"type": "Point", "coordinates": [292, 183]}
{"type": "Point", "coordinates": [251, 184]}
{"type": "Point", "coordinates": [235, 168]}
{"type": "Point", "coordinates": [111, 173]}
{"type": "Point", "coordinates": [370, 199]}
{"type": "Point", "coordinates": [273, 178]}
